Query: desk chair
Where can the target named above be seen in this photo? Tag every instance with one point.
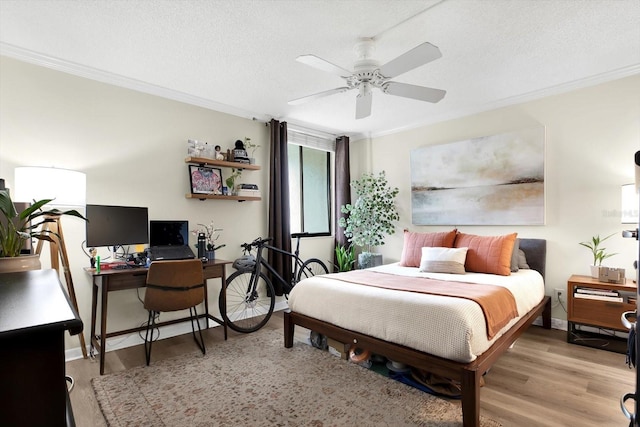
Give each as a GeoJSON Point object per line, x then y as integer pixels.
{"type": "Point", "coordinates": [172, 286]}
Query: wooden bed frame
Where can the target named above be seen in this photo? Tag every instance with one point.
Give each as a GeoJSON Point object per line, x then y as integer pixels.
{"type": "Point", "coordinates": [467, 373]}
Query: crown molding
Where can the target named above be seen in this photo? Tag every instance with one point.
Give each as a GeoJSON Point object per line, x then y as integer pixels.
{"type": "Point", "coordinates": [520, 99]}
{"type": "Point", "coordinates": [79, 70]}
{"type": "Point", "coordinates": [140, 86]}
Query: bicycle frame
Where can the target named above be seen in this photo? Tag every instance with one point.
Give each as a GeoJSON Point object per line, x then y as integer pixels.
{"type": "Point", "coordinates": [261, 261]}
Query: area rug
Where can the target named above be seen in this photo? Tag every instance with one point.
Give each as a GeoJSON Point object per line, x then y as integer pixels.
{"type": "Point", "coordinates": [254, 381]}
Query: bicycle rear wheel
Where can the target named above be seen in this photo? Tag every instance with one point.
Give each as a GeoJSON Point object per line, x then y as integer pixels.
{"type": "Point", "coordinates": [247, 310]}
{"type": "Point", "coordinates": [311, 267]}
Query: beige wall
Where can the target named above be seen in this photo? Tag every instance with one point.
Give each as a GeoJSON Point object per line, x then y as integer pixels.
{"type": "Point", "coordinates": [591, 136]}
{"type": "Point", "coordinates": [132, 147]}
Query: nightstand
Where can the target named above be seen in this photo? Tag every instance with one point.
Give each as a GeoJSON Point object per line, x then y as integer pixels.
{"type": "Point", "coordinates": [598, 311]}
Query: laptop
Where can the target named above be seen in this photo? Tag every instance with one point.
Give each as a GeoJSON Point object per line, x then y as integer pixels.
{"type": "Point", "coordinates": [169, 240]}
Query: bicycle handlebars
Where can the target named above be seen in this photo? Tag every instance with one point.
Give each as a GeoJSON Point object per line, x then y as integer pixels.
{"type": "Point", "coordinates": [256, 243]}
{"type": "Point", "coordinates": [259, 241]}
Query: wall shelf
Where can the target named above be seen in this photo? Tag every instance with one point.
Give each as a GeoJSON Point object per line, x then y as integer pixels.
{"type": "Point", "coordinates": [221, 163]}
{"type": "Point", "coordinates": [222, 197]}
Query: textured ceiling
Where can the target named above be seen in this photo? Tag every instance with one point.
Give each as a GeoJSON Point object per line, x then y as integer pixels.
{"type": "Point", "coordinates": [239, 56]}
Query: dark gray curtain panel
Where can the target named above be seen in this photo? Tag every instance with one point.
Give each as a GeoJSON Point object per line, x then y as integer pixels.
{"type": "Point", "coordinates": [343, 188]}
{"type": "Point", "coordinates": [279, 223]}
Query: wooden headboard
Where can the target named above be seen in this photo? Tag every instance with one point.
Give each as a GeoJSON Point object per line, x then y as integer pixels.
{"type": "Point", "coordinates": [536, 252]}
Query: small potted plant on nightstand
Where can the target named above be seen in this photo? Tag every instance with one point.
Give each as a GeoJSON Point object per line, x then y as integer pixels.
{"type": "Point", "coordinates": [599, 253]}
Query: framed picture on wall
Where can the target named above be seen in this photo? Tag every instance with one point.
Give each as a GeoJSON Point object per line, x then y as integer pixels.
{"type": "Point", "coordinates": [205, 180]}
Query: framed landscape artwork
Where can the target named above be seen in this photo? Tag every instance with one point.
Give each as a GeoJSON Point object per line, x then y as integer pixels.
{"type": "Point", "coordinates": [491, 180]}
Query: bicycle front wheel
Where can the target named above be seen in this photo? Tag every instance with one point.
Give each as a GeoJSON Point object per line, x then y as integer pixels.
{"type": "Point", "coordinates": [311, 267]}
{"type": "Point", "coordinates": [247, 309]}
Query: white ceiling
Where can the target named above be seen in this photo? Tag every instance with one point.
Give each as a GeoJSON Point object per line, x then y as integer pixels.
{"type": "Point", "coordinates": [238, 56]}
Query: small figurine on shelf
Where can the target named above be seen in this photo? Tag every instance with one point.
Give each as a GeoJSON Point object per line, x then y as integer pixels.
{"type": "Point", "coordinates": [240, 153]}
{"type": "Point", "coordinates": [219, 155]}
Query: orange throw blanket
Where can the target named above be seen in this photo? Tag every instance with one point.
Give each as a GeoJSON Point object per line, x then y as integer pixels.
{"type": "Point", "coordinates": [497, 303]}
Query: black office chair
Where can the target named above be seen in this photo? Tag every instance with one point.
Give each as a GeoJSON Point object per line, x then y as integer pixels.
{"type": "Point", "coordinates": [172, 286]}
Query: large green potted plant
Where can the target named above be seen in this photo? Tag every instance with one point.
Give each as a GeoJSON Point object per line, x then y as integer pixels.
{"type": "Point", "coordinates": [16, 228]}
{"type": "Point", "coordinates": [371, 217]}
{"type": "Point", "coordinates": [599, 253]}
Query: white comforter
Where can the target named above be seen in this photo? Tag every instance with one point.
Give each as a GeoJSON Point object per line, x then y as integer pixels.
{"type": "Point", "coordinates": [453, 328]}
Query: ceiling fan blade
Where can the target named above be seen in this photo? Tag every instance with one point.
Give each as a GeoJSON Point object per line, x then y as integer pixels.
{"type": "Point", "coordinates": [321, 64]}
{"type": "Point", "coordinates": [363, 105]}
{"type": "Point", "coordinates": [420, 93]}
{"type": "Point", "coordinates": [318, 95]}
{"type": "Point", "coordinates": [420, 55]}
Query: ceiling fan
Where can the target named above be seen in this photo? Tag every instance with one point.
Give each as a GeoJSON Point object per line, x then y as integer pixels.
{"type": "Point", "coordinates": [367, 74]}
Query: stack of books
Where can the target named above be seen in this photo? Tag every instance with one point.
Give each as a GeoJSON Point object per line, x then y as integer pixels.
{"type": "Point", "coordinates": [598, 294]}
{"type": "Point", "coordinates": [248, 190]}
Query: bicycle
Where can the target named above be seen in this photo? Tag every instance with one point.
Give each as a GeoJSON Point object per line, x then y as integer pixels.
{"type": "Point", "coordinates": [249, 297]}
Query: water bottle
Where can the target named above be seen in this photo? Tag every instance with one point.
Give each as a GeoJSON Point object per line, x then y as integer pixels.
{"type": "Point", "coordinates": [202, 245]}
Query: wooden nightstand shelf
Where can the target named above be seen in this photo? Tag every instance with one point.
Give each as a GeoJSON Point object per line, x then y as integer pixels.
{"type": "Point", "coordinates": [604, 314]}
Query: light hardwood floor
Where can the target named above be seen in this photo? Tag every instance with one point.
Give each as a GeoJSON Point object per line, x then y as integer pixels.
{"type": "Point", "coordinates": [542, 381]}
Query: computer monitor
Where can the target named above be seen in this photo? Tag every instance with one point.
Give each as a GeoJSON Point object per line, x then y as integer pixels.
{"type": "Point", "coordinates": [116, 225]}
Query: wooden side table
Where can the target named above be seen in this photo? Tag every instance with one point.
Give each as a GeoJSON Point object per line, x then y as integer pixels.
{"type": "Point", "coordinates": [598, 313]}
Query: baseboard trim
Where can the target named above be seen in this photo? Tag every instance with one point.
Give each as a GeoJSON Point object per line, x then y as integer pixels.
{"type": "Point", "coordinates": [130, 340]}
{"type": "Point", "coordinates": [559, 324]}
{"type": "Point", "coordinates": [169, 331]}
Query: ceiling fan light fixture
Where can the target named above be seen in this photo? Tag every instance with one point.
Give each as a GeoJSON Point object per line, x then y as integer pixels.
{"type": "Point", "coordinates": [364, 89]}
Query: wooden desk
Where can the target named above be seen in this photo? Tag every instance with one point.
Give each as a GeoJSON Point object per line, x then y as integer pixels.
{"type": "Point", "coordinates": [35, 312]}
{"type": "Point", "coordinates": [132, 278]}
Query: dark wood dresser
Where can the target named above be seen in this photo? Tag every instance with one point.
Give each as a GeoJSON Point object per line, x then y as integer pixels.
{"type": "Point", "coordinates": [35, 312]}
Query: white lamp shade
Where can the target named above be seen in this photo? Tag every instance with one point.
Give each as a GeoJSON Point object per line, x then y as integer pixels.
{"type": "Point", "coordinates": [629, 204]}
{"type": "Point", "coordinates": [66, 187]}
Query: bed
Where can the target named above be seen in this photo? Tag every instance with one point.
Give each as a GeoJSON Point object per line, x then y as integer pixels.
{"type": "Point", "coordinates": [376, 319]}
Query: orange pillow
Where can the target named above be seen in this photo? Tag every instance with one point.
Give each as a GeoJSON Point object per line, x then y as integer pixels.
{"type": "Point", "coordinates": [414, 242]}
{"type": "Point", "coordinates": [487, 254]}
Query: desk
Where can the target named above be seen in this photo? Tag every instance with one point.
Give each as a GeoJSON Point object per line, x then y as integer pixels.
{"type": "Point", "coordinates": [132, 278]}
{"type": "Point", "coordinates": [35, 312]}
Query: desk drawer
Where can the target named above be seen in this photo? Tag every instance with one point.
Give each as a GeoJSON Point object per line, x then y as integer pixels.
{"type": "Point", "coordinates": [119, 282]}
{"type": "Point", "coordinates": [213, 271]}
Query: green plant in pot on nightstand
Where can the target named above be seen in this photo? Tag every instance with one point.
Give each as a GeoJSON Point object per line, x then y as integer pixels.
{"type": "Point", "coordinates": [16, 228]}
{"type": "Point", "coordinates": [371, 217]}
{"type": "Point", "coordinates": [599, 253]}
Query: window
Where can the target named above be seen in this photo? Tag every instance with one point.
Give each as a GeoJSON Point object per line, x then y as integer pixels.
{"type": "Point", "coordinates": [309, 186]}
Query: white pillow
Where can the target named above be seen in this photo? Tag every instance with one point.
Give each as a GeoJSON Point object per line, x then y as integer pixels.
{"type": "Point", "coordinates": [443, 260]}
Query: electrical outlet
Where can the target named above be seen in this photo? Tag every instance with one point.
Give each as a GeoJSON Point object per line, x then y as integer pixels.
{"type": "Point", "coordinates": [558, 292]}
